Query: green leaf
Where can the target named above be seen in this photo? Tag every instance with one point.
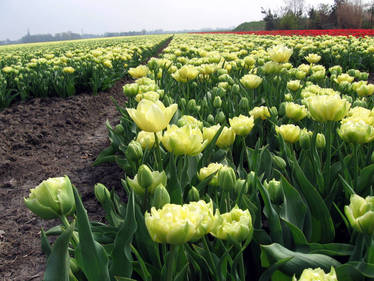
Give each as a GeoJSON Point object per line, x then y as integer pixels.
{"type": "Point", "coordinates": [366, 178]}
{"type": "Point", "coordinates": [46, 247]}
{"type": "Point", "coordinates": [58, 266]}
{"type": "Point", "coordinates": [275, 252]}
{"type": "Point", "coordinates": [276, 232]}
{"type": "Point", "coordinates": [173, 186]}
{"type": "Point", "coordinates": [90, 255]}
{"type": "Point", "coordinates": [294, 209]}
{"type": "Point", "coordinates": [121, 255]}
{"type": "Point", "coordinates": [322, 225]}
{"type": "Point", "coordinates": [274, 267]}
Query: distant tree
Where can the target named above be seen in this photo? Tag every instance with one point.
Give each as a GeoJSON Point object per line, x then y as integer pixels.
{"type": "Point", "coordinates": [270, 19]}
{"type": "Point", "coordinates": [349, 15]}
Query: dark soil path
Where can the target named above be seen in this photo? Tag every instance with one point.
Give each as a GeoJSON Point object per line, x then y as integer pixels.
{"type": "Point", "coordinates": [48, 138]}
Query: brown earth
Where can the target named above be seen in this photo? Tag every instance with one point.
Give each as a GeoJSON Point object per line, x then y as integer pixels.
{"type": "Point", "coordinates": [45, 138]}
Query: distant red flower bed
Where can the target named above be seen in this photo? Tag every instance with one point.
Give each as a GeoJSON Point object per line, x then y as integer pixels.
{"type": "Point", "coordinates": [309, 32]}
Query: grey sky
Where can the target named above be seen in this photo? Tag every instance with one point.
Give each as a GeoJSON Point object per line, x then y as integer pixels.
{"type": "Point", "coordinates": [99, 16]}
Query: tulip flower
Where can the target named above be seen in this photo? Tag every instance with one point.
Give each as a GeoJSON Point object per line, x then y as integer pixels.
{"type": "Point", "coordinates": [226, 138]}
{"type": "Point", "coordinates": [251, 81]}
{"type": "Point", "coordinates": [357, 132]}
{"type": "Point", "coordinates": [52, 198]}
{"type": "Point", "coordinates": [178, 224]}
{"type": "Point", "coordinates": [184, 141]}
{"type": "Point", "coordinates": [289, 132]}
{"type": "Point", "coordinates": [242, 125]}
{"type": "Point", "coordinates": [313, 58]}
{"type": "Point", "coordinates": [280, 53]}
{"type": "Point", "coordinates": [327, 108]}
{"type": "Point", "coordinates": [360, 213]}
{"type": "Point", "coordinates": [316, 274]}
{"type": "Point", "coordinates": [295, 111]}
{"type": "Point", "coordinates": [235, 225]}
{"type": "Point", "coordinates": [260, 112]}
{"type": "Point", "coordinates": [139, 71]}
{"type": "Point", "coordinates": [207, 171]}
{"type": "Point", "coordinates": [152, 116]}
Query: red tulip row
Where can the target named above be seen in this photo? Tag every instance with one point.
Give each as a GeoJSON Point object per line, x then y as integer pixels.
{"type": "Point", "coordinates": [309, 32]}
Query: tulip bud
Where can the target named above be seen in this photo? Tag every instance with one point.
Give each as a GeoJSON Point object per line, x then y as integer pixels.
{"type": "Point", "coordinates": [305, 139]}
{"type": "Point", "coordinates": [134, 151]}
{"type": "Point", "coordinates": [235, 88]}
{"type": "Point", "coordinates": [52, 198]}
{"type": "Point", "coordinates": [273, 111]}
{"type": "Point", "coordinates": [241, 185]}
{"type": "Point", "coordinates": [131, 90]}
{"type": "Point", "coordinates": [217, 102]}
{"type": "Point", "coordinates": [183, 102]}
{"type": "Point", "coordinates": [227, 178]}
{"type": "Point", "coordinates": [244, 104]}
{"type": "Point", "coordinates": [251, 179]}
{"type": "Point", "coordinates": [102, 194]}
{"type": "Point", "coordinates": [191, 105]}
{"type": "Point", "coordinates": [220, 117]}
{"type": "Point", "coordinates": [210, 119]}
{"type": "Point", "coordinates": [145, 178]}
{"type": "Point", "coordinates": [160, 197]}
{"type": "Point", "coordinates": [193, 194]}
{"type": "Point", "coordinates": [119, 129]}
{"type": "Point", "coordinates": [320, 141]}
{"type": "Point", "coordinates": [274, 189]}
{"type": "Point", "coordinates": [279, 162]}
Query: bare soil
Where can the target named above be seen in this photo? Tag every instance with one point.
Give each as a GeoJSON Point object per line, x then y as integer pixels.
{"type": "Point", "coordinates": [45, 138]}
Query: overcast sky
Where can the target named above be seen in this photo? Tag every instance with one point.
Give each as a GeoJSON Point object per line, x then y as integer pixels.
{"type": "Point", "coordinates": [99, 16]}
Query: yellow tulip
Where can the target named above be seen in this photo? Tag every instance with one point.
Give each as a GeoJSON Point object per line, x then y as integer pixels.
{"type": "Point", "coordinates": [152, 116]}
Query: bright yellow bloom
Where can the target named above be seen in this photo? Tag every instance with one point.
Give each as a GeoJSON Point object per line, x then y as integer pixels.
{"type": "Point", "coordinates": [178, 224]}
{"type": "Point", "coordinates": [357, 132]}
{"type": "Point", "coordinates": [235, 225]}
{"type": "Point", "coordinates": [152, 116]}
{"type": "Point", "coordinates": [225, 139]}
{"type": "Point", "coordinates": [293, 85]}
{"type": "Point", "coordinates": [183, 141]}
{"type": "Point", "coordinates": [313, 58]}
{"type": "Point", "coordinates": [316, 274]}
{"type": "Point", "coordinates": [139, 71]}
{"type": "Point", "coordinates": [360, 213]}
{"type": "Point", "coordinates": [280, 53]}
{"type": "Point", "coordinates": [185, 73]}
{"type": "Point", "coordinates": [251, 81]}
{"type": "Point", "coordinates": [68, 69]}
{"type": "Point", "coordinates": [190, 120]}
{"type": "Point", "coordinates": [289, 132]}
{"type": "Point", "coordinates": [260, 112]}
{"type": "Point", "coordinates": [295, 111]}
{"type": "Point", "coordinates": [242, 125]}
{"type": "Point", "coordinates": [207, 171]}
{"type": "Point", "coordinates": [327, 108]}
{"type": "Point", "coordinates": [147, 139]}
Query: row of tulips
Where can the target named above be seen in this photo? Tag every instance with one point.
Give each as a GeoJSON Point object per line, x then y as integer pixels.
{"type": "Point", "coordinates": [310, 32]}
{"type": "Point", "coordinates": [64, 69]}
{"type": "Point", "coordinates": [238, 165]}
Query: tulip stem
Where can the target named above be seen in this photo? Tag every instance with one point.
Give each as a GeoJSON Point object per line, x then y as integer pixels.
{"type": "Point", "coordinates": [66, 223]}
{"type": "Point", "coordinates": [355, 171]}
{"type": "Point", "coordinates": [172, 257]}
{"type": "Point", "coordinates": [158, 153]}
{"type": "Point", "coordinates": [328, 156]}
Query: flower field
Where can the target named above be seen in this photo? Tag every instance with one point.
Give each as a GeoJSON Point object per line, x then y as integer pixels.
{"type": "Point", "coordinates": [64, 69]}
{"type": "Point", "coordinates": [242, 158]}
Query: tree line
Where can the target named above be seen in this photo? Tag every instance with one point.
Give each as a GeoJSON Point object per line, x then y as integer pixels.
{"type": "Point", "coordinates": [341, 14]}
